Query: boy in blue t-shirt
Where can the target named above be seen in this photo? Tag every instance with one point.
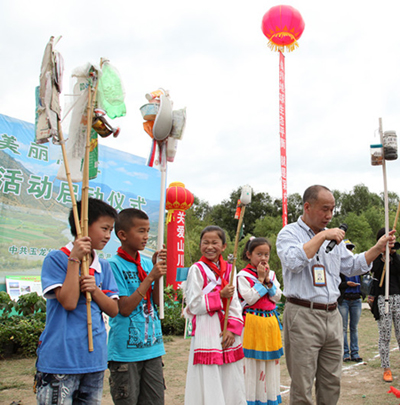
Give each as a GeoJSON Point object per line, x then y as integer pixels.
{"type": "Point", "coordinates": [135, 344]}
{"type": "Point", "coordinates": [66, 371]}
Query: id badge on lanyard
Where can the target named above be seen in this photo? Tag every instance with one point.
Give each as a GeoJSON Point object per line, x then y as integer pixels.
{"type": "Point", "coordinates": [319, 275]}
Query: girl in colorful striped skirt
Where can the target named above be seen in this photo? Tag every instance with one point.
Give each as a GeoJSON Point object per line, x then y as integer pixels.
{"type": "Point", "coordinates": [215, 369]}
{"type": "Point", "coordinates": [259, 291]}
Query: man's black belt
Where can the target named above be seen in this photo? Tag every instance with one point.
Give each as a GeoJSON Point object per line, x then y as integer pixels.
{"type": "Point", "coordinates": [313, 305]}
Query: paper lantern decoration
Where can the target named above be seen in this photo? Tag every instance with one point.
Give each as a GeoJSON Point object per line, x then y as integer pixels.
{"type": "Point", "coordinates": [178, 197]}
{"type": "Point", "coordinates": [283, 26]}
{"type": "Point", "coordinates": [178, 200]}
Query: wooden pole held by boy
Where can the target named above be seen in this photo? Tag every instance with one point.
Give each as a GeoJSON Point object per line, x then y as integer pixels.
{"type": "Point", "coordinates": [69, 180]}
{"type": "Point", "coordinates": [49, 65]}
{"type": "Point", "coordinates": [165, 127]}
{"type": "Point", "coordinates": [85, 198]}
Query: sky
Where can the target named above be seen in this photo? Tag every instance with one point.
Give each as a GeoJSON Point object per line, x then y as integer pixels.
{"type": "Point", "coordinates": [213, 58]}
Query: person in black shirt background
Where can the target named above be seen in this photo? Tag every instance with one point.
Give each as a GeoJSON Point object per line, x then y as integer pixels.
{"type": "Point", "coordinates": [377, 301]}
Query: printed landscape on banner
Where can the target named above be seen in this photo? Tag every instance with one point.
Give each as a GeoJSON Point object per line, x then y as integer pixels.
{"type": "Point", "coordinates": [34, 205]}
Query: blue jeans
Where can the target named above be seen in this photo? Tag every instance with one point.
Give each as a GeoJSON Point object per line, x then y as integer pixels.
{"type": "Point", "coordinates": [352, 308]}
{"type": "Point", "coordinates": [68, 389]}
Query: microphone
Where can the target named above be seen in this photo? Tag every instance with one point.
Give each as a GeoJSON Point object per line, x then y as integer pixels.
{"type": "Point", "coordinates": [333, 243]}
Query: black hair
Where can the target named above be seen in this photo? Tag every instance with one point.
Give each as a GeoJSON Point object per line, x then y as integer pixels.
{"type": "Point", "coordinates": [97, 209]}
{"type": "Point", "coordinates": [381, 232]}
{"type": "Point", "coordinates": [124, 221]}
{"type": "Point", "coordinates": [311, 194]}
{"type": "Point", "coordinates": [214, 228]}
{"type": "Point", "coordinates": [252, 243]}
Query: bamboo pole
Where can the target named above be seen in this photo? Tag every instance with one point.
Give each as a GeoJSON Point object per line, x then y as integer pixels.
{"type": "Point", "coordinates": [77, 227]}
{"type": "Point", "coordinates": [85, 179]}
{"type": "Point", "coordinates": [69, 180]}
{"type": "Point", "coordinates": [85, 216]}
{"type": "Point", "coordinates": [85, 205]}
{"type": "Point", "coordinates": [233, 271]}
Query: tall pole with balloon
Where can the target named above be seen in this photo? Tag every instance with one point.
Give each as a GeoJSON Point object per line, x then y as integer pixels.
{"type": "Point", "coordinates": [165, 126]}
{"type": "Point", "coordinates": [283, 26]}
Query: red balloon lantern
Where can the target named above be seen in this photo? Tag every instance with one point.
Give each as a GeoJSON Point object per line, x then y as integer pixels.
{"type": "Point", "coordinates": [178, 200]}
{"type": "Point", "coordinates": [178, 197]}
{"type": "Point", "coordinates": [283, 26]}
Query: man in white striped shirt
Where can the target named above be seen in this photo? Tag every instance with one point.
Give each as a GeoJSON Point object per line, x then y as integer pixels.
{"type": "Point", "coordinates": [313, 329]}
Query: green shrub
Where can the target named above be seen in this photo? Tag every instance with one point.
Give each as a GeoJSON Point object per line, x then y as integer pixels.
{"type": "Point", "coordinates": [4, 298]}
{"type": "Point", "coordinates": [173, 323]}
{"type": "Point", "coordinates": [27, 304]}
{"type": "Point", "coordinates": [30, 303]}
{"type": "Point", "coordinates": [19, 334]}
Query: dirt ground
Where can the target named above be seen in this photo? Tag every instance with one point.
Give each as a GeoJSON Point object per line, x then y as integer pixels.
{"type": "Point", "coordinates": [361, 383]}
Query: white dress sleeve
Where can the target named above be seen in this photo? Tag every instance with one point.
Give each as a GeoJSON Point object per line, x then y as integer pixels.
{"type": "Point", "coordinates": [199, 303]}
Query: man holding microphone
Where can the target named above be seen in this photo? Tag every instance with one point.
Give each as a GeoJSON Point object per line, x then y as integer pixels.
{"type": "Point", "coordinates": [312, 258]}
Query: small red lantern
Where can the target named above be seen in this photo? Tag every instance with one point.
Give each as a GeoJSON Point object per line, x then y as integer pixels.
{"type": "Point", "coordinates": [178, 197]}
{"type": "Point", "coordinates": [178, 200]}
{"type": "Point", "coordinates": [283, 26]}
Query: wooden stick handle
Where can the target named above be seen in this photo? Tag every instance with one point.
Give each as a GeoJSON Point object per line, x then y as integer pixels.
{"type": "Point", "coordinates": [394, 227]}
{"type": "Point", "coordinates": [85, 178]}
{"type": "Point", "coordinates": [69, 180]}
{"type": "Point", "coordinates": [89, 321]}
{"type": "Point", "coordinates": [85, 208]}
{"type": "Point", "coordinates": [85, 184]}
{"type": "Point", "coordinates": [397, 216]}
{"type": "Point", "coordinates": [77, 227]}
{"type": "Point", "coordinates": [232, 275]}
{"type": "Point", "coordinates": [383, 275]}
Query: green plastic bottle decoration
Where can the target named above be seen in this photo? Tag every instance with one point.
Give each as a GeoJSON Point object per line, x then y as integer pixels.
{"type": "Point", "coordinates": [111, 92]}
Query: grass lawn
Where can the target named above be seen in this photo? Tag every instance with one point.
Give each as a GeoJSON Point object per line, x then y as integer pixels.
{"type": "Point", "coordinates": [361, 383]}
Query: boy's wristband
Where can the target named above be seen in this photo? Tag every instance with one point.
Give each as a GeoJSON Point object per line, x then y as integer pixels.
{"type": "Point", "coordinates": [74, 259]}
{"type": "Point", "coordinates": [137, 289]}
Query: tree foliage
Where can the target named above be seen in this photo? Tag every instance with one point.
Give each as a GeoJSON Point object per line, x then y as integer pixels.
{"type": "Point", "coordinates": [358, 200]}
{"type": "Point", "coordinates": [261, 205]}
{"type": "Point", "coordinates": [362, 210]}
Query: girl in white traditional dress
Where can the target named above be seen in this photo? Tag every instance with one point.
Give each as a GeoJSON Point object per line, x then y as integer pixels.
{"type": "Point", "coordinates": [259, 291]}
{"type": "Point", "coordinates": [215, 369]}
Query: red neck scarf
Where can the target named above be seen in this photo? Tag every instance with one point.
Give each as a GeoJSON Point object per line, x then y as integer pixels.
{"type": "Point", "coordinates": [220, 272]}
{"type": "Point", "coordinates": [142, 274]}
